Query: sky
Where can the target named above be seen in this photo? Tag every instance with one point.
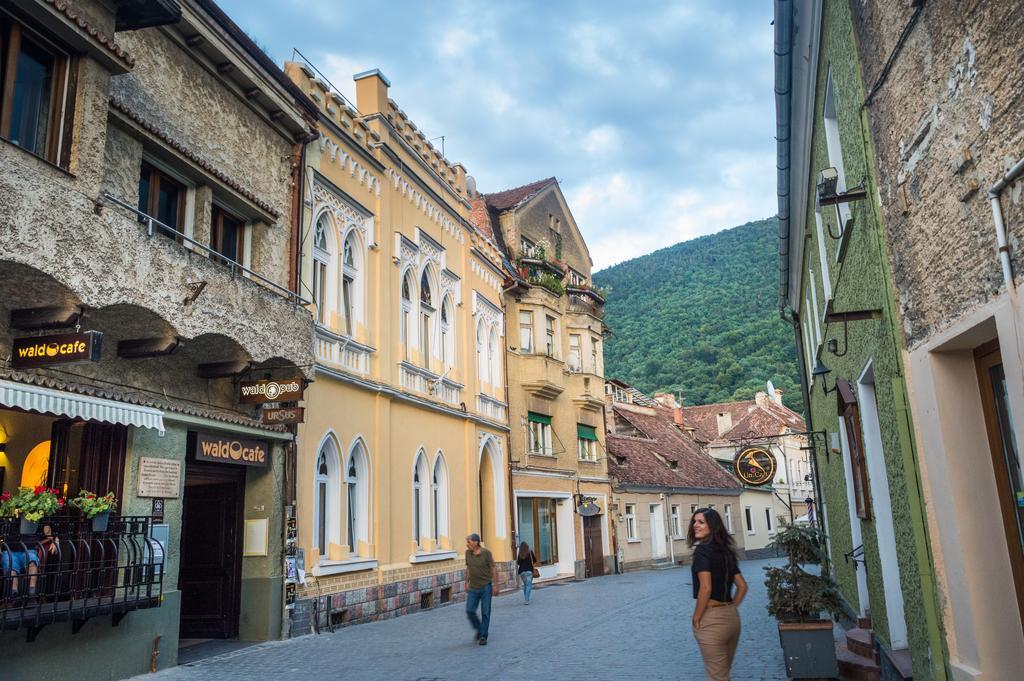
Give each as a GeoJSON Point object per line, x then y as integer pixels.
{"type": "Point", "coordinates": [657, 118]}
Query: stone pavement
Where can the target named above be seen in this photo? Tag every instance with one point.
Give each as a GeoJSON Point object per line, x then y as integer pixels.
{"type": "Point", "coordinates": [634, 626]}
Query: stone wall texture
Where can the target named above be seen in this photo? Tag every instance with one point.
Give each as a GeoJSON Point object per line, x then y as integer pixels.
{"type": "Point", "coordinates": [946, 123]}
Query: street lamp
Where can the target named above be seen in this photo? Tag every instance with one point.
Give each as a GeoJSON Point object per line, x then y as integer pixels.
{"type": "Point", "coordinates": [821, 371]}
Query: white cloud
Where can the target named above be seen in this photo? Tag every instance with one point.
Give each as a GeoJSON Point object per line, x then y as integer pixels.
{"type": "Point", "coordinates": [601, 140]}
{"type": "Point", "coordinates": [456, 42]}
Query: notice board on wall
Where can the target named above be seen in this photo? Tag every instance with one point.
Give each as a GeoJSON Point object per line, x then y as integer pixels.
{"type": "Point", "coordinates": [159, 478]}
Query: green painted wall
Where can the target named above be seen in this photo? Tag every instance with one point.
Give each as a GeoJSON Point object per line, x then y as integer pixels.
{"type": "Point", "coordinates": [861, 281]}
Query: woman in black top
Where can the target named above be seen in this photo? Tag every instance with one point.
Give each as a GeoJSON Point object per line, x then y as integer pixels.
{"type": "Point", "coordinates": [716, 620]}
{"type": "Point", "coordinates": [525, 560]}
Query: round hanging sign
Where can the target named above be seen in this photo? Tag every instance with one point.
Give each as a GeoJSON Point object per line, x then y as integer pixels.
{"type": "Point", "coordinates": [755, 466]}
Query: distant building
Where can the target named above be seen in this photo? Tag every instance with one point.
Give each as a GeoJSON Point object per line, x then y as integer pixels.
{"type": "Point", "coordinates": [728, 428]}
{"type": "Point", "coordinates": [660, 476]}
{"type": "Point", "coordinates": [554, 354]}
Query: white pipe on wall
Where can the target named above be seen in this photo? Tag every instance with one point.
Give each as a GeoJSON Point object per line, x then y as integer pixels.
{"type": "Point", "coordinates": [997, 218]}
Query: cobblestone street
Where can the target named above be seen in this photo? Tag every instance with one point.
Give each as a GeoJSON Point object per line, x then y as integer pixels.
{"type": "Point", "coordinates": [641, 619]}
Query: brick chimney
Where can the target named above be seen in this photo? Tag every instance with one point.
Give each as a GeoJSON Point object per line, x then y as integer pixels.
{"type": "Point", "coordinates": [677, 416]}
{"type": "Point", "coordinates": [724, 422]}
{"type": "Point", "coordinates": [371, 92]}
{"type": "Point", "coordinates": [666, 400]}
{"type": "Point", "coordinates": [760, 398]}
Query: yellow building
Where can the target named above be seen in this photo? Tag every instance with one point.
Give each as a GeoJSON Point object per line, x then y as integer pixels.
{"type": "Point", "coordinates": [403, 451]}
{"type": "Point", "coordinates": [559, 469]}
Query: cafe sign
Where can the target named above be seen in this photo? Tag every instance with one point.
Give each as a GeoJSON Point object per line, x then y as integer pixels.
{"type": "Point", "coordinates": [588, 507]}
{"type": "Point", "coordinates": [64, 348]}
{"type": "Point", "coordinates": [258, 392]}
{"type": "Point", "coordinates": [228, 449]}
{"type": "Point", "coordinates": [755, 466]}
{"type": "Point", "coordinates": [282, 417]}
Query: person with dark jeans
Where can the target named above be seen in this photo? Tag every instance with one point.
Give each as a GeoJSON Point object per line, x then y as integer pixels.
{"type": "Point", "coordinates": [481, 585]}
{"type": "Point", "coordinates": [22, 557]}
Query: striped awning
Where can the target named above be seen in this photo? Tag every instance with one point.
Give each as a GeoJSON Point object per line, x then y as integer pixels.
{"type": "Point", "coordinates": [62, 403]}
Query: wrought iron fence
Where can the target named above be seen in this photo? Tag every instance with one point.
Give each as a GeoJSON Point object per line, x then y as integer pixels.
{"type": "Point", "coordinates": [67, 572]}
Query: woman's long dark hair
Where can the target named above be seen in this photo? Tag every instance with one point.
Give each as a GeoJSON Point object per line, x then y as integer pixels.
{"type": "Point", "coordinates": [717, 534]}
{"type": "Point", "coordinates": [524, 551]}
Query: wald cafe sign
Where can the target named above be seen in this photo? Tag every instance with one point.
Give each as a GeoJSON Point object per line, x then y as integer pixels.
{"type": "Point", "coordinates": [228, 449]}
{"type": "Point", "coordinates": [64, 348]}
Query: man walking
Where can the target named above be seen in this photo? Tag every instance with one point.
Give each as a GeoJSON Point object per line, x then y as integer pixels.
{"type": "Point", "coordinates": [481, 585]}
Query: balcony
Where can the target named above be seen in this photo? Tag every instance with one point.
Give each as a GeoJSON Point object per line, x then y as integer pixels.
{"type": "Point", "coordinates": [542, 376]}
{"type": "Point", "coordinates": [82, 573]}
{"type": "Point", "coordinates": [585, 301]}
{"type": "Point", "coordinates": [420, 380]}
{"type": "Point", "coordinates": [342, 351]}
{"type": "Point", "coordinates": [496, 410]}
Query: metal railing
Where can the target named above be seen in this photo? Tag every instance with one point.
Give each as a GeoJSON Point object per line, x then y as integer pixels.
{"type": "Point", "coordinates": [173, 232]}
{"type": "Point", "coordinates": [69, 573]}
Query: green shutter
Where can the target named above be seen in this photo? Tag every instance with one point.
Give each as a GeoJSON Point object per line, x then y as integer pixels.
{"type": "Point", "coordinates": [539, 418]}
{"type": "Point", "coordinates": [585, 432]}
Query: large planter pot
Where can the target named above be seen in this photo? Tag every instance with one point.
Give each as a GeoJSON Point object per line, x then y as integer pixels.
{"type": "Point", "coordinates": [100, 521]}
{"type": "Point", "coordinates": [28, 526]}
{"type": "Point", "coordinates": [809, 649]}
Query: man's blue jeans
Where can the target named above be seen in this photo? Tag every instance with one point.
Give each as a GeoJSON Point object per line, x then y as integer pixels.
{"type": "Point", "coordinates": [479, 598]}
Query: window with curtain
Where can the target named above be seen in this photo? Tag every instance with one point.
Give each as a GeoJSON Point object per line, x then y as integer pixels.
{"type": "Point", "coordinates": [575, 360]}
{"type": "Point", "coordinates": [586, 438]}
{"type": "Point", "coordinates": [426, 314]}
{"type": "Point", "coordinates": [405, 330]}
{"type": "Point", "coordinates": [540, 434]}
{"type": "Point", "coordinates": [349, 274]}
{"type": "Point", "coordinates": [525, 331]}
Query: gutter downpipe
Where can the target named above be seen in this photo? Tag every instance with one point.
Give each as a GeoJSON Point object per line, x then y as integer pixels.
{"type": "Point", "coordinates": [783, 114]}
{"type": "Point", "coordinates": [997, 216]}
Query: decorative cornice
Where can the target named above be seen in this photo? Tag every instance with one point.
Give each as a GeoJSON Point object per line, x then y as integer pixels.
{"type": "Point", "coordinates": [99, 37]}
{"type": "Point", "coordinates": [192, 156]}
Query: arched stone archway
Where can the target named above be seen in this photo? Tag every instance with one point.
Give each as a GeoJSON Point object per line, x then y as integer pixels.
{"type": "Point", "coordinates": [491, 511]}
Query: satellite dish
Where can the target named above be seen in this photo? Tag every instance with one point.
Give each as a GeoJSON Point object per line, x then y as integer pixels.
{"type": "Point", "coordinates": [771, 390]}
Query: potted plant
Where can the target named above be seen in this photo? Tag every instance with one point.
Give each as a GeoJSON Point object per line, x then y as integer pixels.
{"type": "Point", "coordinates": [797, 598]}
{"type": "Point", "coordinates": [30, 505]}
{"type": "Point", "coordinates": [95, 508]}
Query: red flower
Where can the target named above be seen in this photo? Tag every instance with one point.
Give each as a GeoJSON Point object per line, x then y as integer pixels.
{"type": "Point", "coordinates": [40, 489]}
{"type": "Point", "coordinates": [60, 503]}
{"type": "Point", "coordinates": [5, 496]}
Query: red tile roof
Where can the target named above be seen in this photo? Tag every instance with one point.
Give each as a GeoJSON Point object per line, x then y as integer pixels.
{"type": "Point", "coordinates": [649, 460]}
{"type": "Point", "coordinates": [510, 198]}
{"type": "Point", "coordinates": [749, 420]}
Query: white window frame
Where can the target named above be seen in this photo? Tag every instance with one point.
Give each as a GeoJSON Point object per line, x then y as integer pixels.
{"type": "Point", "coordinates": [748, 517]}
{"type": "Point", "coordinates": [550, 336]}
{"type": "Point", "coordinates": [328, 519]}
{"type": "Point", "coordinates": [447, 334]}
{"type": "Point", "coordinates": [526, 331]}
{"type": "Point", "coordinates": [727, 515]}
{"type": "Point", "coordinates": [405, 325]}
{"type": "Point", "coordinates": [631, 534]}
{"type": "Point", "coordinates": [575, 360]}
{"type": "Point", "coordinates": [768, 518]}
{"type": "Point", "coordinates": [420, 499]}
{"type": "Point", "coordinates": [357, 491]}
{"type": "Point", "coordinates": [673, 521]}
{"type": "Point", "coordinates": [540, 434]}
{"type": "Point", "coordinates": [439, 498]}
{"type": "Point", "coordinates": [834, 146]}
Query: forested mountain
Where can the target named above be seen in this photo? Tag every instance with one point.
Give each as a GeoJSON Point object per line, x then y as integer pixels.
{"type": "Point", "coordinates": [701, 318]}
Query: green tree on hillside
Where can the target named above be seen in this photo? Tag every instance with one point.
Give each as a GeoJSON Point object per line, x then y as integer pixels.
{"type": "Point", "coordinates": [700, 318]}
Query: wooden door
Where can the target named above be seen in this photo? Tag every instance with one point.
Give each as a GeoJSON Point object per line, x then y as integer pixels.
{"type": "Point", "coordinates": [593, 546]}
{"type": "Point", "coordinates": [1005, 458]}
{"type": "Point", "coordinates": [211, 548]}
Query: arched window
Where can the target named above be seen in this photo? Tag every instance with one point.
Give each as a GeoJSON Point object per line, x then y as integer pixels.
{"type": "Point", "coordinates": [351, 488]}
{"type": "Point", "coordinates": [447, 335]}
{"type": "Point", "coordinates": [481, 352]}
{"type": "Point", "coordinates": [326, 486]}
{"type": "Point", "coordinates": [439, 499]}
{"type": "Point", "coordinates": [350, 289]}
{"type": "Point", "coordinates": [357, 485]}
{"type": "Point", "coordinates": [405, 328]}
{"type": "Point", "coordinates": [426, 317]}
{"type": "Point", "coordinates": [321, 260]}
{"type": "Point", "coordinates": [420, 509]}
{"type": "Point", "coordinates": [494, 373]}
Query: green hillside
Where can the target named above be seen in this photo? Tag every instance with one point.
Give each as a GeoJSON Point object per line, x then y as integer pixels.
{"type": "Point", "coordinates": [700, 317]}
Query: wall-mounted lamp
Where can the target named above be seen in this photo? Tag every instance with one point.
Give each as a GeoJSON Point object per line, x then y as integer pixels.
{"type": "Point", "coordinates": [828, 180]}
{"type": "Point", "coordinates": [846, 317]}
{"type": "Point", "coordinates": [820, 370]}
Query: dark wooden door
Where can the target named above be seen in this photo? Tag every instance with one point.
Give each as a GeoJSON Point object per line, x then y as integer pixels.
{"type": "Point", "coordinates": [211, 549]}
{"type": "Point", "coordinates": [1005, 460]}
{"type": "Point", "coordinates": [592, 545]}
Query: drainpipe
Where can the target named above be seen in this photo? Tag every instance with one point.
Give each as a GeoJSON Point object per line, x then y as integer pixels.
{"type": "Point", "coordinates": [671, 537]}
{"type": "Point", "coordinates": [997, 216]}
{"type": "Point", "coordinates": [819, 498]}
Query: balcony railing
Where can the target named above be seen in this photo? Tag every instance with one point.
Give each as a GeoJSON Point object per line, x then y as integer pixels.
{"type": "Point", "coordinates": [153, 225]}
{"type": "Point", "coordinates": [341, 351]}
{"type": "Point", "coordinates": [73, 573]}
{"type": "Point", "coordinates": [425, 381]}
{"type": "Point", "coordinates": [491, 408]}
{"type": "Point", "coordinates": [583, 304]}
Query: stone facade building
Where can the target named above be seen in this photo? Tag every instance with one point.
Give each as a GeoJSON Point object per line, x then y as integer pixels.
{"type": "Point", "coordinates": [150, 226]}
{"type": "Point", "coordinates": [559, 469]}
{"type": "Point", "coordinates": [660, 476]}
{"type": "Point", "coordinates": [942, 102]}
{"type": "Point", "coordinates": [835, 287]}
{"type": "Point", "coordinates": [726, 429]}
{"type": "Point", "coordinates": [404, 448]}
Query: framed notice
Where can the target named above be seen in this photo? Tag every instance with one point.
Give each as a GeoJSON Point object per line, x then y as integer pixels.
{"type": "Point", "coordinates": [159, 478]}
{"type": "Point", "coordinates": [256, 537]}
